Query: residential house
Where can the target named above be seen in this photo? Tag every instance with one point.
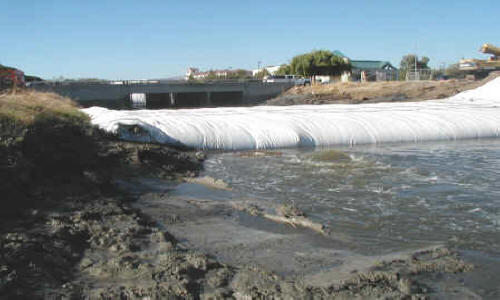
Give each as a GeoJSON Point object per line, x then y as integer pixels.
{"type": "Point", "coordinates": [373, 70]}
{"type": "Point", "coordinates": [370, 70]}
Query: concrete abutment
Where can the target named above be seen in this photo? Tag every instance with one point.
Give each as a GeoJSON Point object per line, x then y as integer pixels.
{"type": "Point", "coordinates": [167, 94]}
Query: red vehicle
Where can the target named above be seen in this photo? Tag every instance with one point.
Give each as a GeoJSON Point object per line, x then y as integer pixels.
{"type": "Point", "coordinates": [10, 77]}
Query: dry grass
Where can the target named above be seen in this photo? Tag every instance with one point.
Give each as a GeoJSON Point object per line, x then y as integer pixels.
{"type": "Point", "coordinates": [421, 90]}
{"type": "Point", "coordinates": [25, 106]}
{"type": "Point", "coordinates": [356, 92]}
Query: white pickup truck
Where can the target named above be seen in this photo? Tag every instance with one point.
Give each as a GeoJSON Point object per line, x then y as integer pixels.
{"type": "Point", "coordinates": [296, 79]}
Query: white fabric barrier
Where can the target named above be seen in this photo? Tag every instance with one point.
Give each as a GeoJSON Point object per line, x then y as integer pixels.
{"type": "Point", "coordinates": [471, 114]}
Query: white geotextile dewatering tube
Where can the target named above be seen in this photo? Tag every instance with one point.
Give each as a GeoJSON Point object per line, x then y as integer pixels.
{"type": "Point", "coordinates": [471, 114]}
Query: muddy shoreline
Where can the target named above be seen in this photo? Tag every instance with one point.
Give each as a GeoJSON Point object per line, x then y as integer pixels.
{"type": "Point", "coordinates": [100, 245]}
{"type": "Point", "coordinates": [85, 230]}
{"type": "Point", "coordinates": [242, 234]}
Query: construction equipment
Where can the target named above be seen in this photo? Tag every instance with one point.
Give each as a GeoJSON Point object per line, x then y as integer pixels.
{"type": "Point", "coordinates": [481, 68]}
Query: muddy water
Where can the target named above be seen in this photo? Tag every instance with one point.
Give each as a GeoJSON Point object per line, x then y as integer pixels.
{"type": "Point", "coordinates": [386, 198]}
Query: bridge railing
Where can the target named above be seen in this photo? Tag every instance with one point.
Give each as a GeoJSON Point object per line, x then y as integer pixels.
{"type": "Point", "coordinates": [142, 82]}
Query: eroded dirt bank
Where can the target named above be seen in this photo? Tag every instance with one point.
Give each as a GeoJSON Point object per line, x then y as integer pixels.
{"type": "Point", "coordinates": [80, 239]}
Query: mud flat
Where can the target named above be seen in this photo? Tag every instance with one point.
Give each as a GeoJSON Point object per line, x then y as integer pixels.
{"type": "Point", "coordinates": [273, 255]}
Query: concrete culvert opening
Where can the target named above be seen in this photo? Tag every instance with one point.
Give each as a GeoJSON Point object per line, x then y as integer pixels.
{"type": "Point", "coordinates": [226, 98]}
{"type": "Point", "coordinates": [197, 99]}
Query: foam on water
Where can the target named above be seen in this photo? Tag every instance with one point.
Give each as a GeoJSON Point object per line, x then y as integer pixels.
{"type": "Point", "coordinates": [471, 114]}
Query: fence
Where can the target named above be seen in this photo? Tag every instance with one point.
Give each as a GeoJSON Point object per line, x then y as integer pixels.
{"type": "Point", "coordinates": [419, 74]}
{"type": "Point", "coordinates": [375, 75]}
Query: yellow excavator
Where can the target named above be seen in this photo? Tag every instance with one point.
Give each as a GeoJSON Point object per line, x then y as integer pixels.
{"type": "Point", "coordinates": [481, 68]}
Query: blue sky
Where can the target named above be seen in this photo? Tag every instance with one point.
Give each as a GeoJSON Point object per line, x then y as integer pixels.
{"type": "Point", "coordinates": [158, 39]}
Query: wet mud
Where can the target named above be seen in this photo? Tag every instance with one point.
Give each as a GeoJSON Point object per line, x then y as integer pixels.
{"type": "Point", "coordinates": [273, 257]}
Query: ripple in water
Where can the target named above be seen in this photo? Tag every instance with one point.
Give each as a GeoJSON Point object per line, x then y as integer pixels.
{"type": "Point", "coordinates": [385, 198]}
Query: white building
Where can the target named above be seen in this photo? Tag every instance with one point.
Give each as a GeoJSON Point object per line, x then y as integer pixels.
{"type": "Point", "coordinates": [270, 69]}
{"type": "Point", "coordinates": [191, 73]}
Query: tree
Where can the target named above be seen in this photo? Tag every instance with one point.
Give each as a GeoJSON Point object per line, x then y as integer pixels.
{"type": "Point", "coordinates": [284, 70]}
{"type": "Point", "coordinates": [211, 75]}
{"type": "Point", "coordinates": [261, 74]}
{"type": "Point", "coordinates": [408, 64]}
{"type": "Point", "coordinates": [238, 74]}
{"type": "Point", "coordinates": [319, 62]}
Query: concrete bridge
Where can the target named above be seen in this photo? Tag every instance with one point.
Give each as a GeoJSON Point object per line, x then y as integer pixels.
{"type": "Point", "coordinates": [155, 94]}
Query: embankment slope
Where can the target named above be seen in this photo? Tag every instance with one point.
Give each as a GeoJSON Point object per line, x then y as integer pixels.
{"type": "Point", "coordinates": [373, 92]}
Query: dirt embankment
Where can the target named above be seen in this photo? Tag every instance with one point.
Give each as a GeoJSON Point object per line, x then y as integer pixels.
{"type": "Point", "coordinates": [66, 231]}
{"type": "Point", "coordinates": [372, 92]}
{"type": "Point", "coordinates": [59, 207]}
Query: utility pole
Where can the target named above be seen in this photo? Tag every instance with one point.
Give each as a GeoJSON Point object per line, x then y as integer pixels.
{"type": "Point", "coordinates": [416, 62]}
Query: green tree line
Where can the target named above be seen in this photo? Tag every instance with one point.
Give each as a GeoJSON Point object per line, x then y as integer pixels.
{"type": "Point", "coordinates": [318, 62]}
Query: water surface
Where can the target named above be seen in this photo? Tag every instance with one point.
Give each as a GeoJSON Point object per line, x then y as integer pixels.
{"type": "Point", "coordinates": [383, 198]}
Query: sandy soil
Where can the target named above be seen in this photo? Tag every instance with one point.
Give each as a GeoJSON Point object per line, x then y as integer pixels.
{"type": "Point", "coordinates": [370, 92]}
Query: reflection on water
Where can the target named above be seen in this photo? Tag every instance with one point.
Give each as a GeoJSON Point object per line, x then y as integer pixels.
{"type": "Point", "coordinates": [385, 198]}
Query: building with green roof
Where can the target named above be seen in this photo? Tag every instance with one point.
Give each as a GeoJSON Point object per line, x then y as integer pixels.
{"type": "Point", "coordinates": [372, 65]}
{"type": "Point", "coordinates": [374, 70]}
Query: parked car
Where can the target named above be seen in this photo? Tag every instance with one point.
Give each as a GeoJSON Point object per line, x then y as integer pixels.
{"type": "Point", "coordinates": [442, 77]}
